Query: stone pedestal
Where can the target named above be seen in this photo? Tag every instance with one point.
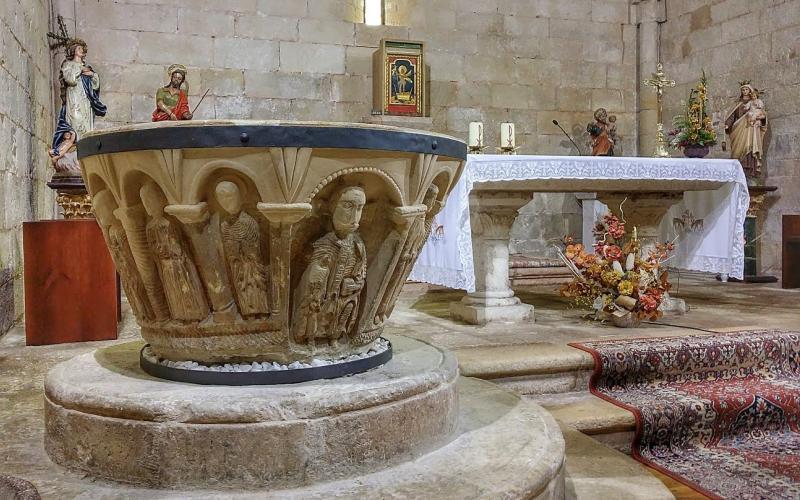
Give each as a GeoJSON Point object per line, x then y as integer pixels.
{"type": "Point", "coordinates": [492, 214]}
{"type": "Point", "coordinates": [409, 429]}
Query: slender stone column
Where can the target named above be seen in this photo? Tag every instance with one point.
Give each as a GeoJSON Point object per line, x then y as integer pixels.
{"type": "Point", "coordinates": [492, 214]}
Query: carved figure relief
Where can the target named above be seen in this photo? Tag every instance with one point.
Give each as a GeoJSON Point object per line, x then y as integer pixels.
{"type": "Point", "coordinates": [182, 286]}
{"type": "Point", "coordinates": [117, 239]}
{"type": "Point", "coordinates": [417, 235]}
{"type": "Point", "coordinates": [327, 297]}
{"type": "Point", "coordinates": [241, 244]}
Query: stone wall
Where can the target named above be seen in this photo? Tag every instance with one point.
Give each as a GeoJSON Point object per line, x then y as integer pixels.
{"type": "Point", "coordinates": [526, 61]}
{"type": "Point", "coordinates": [26, 112]}
{"type": "Point", "coordinates": [733, 40]}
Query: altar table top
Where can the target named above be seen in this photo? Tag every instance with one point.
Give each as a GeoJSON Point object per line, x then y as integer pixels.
{"type": "Point", "coordinates": [715, 191]}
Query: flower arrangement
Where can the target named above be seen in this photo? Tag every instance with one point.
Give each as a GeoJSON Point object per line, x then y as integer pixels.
{"type": "Point", "coordinates": [694, 127]}
{"type": "Point", "coordinates": [616, 280]}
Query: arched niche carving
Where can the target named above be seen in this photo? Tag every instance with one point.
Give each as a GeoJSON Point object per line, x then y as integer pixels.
{"type": "Point", "coordinates": [213, 171]}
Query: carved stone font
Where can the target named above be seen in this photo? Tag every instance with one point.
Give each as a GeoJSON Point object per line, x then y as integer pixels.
{"type": "Point", "coordinates": [241, 251]}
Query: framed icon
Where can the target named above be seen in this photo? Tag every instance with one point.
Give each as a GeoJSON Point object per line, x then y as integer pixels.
{"type": "Point", "coordinates": [399, 78]}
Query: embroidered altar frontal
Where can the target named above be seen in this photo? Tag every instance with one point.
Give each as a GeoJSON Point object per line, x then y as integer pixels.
{"type": "Point", "coordinates": [720, 413]}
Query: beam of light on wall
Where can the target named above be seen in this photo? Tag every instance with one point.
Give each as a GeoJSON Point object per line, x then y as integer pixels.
{"type": "Point", "coordinates": [373, 14]}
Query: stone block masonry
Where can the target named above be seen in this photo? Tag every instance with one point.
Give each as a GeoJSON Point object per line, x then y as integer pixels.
{"type": "Point", "coordinates": [26, 110]}
{"type": "Point", "coordinates": [509, 60]}
{"type": "Point", "coordinates": [734, 40]}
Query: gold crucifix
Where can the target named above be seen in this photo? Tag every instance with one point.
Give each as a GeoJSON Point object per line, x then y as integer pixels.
{"type": "Point", "coordinates": [659, 82]}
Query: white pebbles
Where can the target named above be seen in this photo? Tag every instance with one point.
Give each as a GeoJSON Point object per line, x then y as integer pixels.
{"type": "Point", "coordinates": [378, 347]}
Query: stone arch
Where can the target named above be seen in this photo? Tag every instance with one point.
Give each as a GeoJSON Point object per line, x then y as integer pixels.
{"type": "Point", "coordinates": [244, 177]}
{"type": "Point", "coordinates": [132, 181]}
{"type": "Point", "coordinates": [396, 194]}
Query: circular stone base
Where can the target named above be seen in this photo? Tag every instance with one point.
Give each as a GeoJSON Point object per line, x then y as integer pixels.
{"type": "Point", "coordinates": [104, 416]}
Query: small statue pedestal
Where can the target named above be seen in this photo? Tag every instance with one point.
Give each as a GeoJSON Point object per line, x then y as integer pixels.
{"type": "Point", "coordinates": [72, 196]}
{"type": "Point", "coordinates": [758, 198]}
{"type": "Point", "coordinates": [71, 292]}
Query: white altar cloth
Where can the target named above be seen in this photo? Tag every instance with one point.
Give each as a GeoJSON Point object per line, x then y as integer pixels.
{"type": "Point", "coordinates": [718, 247]}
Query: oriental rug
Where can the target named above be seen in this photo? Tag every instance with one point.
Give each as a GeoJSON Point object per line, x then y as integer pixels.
{"type": "Point", "coordinates": [719, 413]}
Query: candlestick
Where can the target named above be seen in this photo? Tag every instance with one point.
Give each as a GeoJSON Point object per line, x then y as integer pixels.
{"type": "Point", "coordinates": [508, 144]}
{"type": "Point", "coordinates": [475, 134]}
{"type": "Point", "coordinates": [507, 139]}
{"type": "Point", "coordinates": [475, 142]}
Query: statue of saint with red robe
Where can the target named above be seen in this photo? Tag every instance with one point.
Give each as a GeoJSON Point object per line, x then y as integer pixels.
{"type": "Point", "coordinates": [171, 100]}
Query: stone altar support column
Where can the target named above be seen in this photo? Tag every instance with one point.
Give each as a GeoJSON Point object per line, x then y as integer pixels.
{"type": "Point", "coordinates": [645, 211]}
{"type": "Point", "coordinates": [589, 208]}
{"type": "Point", "coordinates": [492, 214]}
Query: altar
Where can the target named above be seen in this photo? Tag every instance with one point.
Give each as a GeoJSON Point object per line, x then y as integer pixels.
{"type": "Point", "coordinates": [699, 203]}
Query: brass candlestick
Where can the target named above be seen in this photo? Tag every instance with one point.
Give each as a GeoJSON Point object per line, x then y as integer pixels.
{"type": "Point", "coordinates": [508, 150]}
{"type": "Point", "coordinates": [659, 82]}
{"type": "Point", "coordinates": [477, 149]}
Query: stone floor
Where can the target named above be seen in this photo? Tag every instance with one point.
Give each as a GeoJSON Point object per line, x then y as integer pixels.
{"type": "Point", "coordinates": [532, 351]}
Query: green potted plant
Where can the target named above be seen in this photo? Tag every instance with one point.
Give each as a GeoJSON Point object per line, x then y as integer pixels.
{"type": "Point", "coordinates": [692, 130]}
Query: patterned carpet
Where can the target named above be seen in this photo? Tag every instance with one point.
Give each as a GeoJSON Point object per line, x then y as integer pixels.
{"type": "Point", "coordinates": [720, 413]}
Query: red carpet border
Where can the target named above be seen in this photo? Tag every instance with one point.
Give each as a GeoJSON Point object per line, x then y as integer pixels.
{"type": "Point", "coordinates": [720, 413]}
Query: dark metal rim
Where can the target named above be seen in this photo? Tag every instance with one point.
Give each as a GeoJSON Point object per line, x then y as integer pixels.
{"type": "Point", "coordinates": [250, 136]}
{"type": "Point", "coordinates": [292, 376]}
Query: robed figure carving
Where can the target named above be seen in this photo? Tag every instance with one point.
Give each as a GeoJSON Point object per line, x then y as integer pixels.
{"type": "Point", "coordinates": [182, 285]}
{"type": "Point", "coordinates": [80, 98]}
{"type": "Point", "coordinates": [172, 102]}
{"type": "Point", "coordinates": [418, 234]}
{"type": "Point", "coordinates": [241, 243]}
{"type": "Point", "coordinates": [327, 297]}
{"type": "Point", "coordinates": [746, 124]}
{"type": "Point", "coordinates": [104, 205]}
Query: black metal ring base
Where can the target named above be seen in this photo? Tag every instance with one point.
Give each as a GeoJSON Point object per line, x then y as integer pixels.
{"type": "Point", "coordinates": [291, 376]}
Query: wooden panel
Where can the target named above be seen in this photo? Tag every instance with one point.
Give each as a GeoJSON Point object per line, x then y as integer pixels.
{"type": "Point", "coordinates": [71, 292]}
{"type": "Point", "coordinates": [791, 251]}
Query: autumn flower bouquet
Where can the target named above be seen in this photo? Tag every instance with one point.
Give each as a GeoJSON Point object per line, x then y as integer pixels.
{"type": "Point", "coordinates": [693, 129]}
{"type": "Point", "coordinates": [616, 281]}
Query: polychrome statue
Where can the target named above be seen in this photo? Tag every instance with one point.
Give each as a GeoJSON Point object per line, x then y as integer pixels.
{"type": "Point", "coordinates": [80, 98]}
{"type": "Point", "coordinates": [603, 133]}
{"type": "Point", "coordinates": [746, 124]}
{"type": "Point", "coordinates": [172, 102]}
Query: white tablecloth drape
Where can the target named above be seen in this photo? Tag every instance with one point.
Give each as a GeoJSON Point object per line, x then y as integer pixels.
{"type": "Point", "coordinates": [716, 245]}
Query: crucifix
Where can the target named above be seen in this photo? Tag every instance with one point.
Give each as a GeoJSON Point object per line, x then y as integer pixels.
{"type": "Point", "coordinates": [659, 82]}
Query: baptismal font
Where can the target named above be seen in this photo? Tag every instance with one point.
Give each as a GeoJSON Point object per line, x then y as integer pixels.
{"type": "Point", "coordinates": [261, 261]}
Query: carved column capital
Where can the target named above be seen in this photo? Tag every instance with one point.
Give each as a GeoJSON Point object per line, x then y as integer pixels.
{"type": "Point", "coordinates": [492, 213]}
{"type": "Point", "coordinates": [404, 215]}
{"type": "Point", "coordinates": [189, 214]}
{"type": "Point", "coordinates": [284, 213]}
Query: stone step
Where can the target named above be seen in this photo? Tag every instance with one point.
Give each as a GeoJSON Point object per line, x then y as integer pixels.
{"type": "Point", "coordinates": [593, 470]}
{"type": "Point", "coordinates": [537, 368]}
{"type": "Point", "coordinates": [606, 422]}
{"type": "Point", "coordinates": [525, 272]}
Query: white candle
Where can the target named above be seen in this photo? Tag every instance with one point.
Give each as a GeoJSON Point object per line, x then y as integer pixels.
{"type": "Point", "coordinates": [507, 139]}
{"type": "Point", "coordinates": [476, 134]}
